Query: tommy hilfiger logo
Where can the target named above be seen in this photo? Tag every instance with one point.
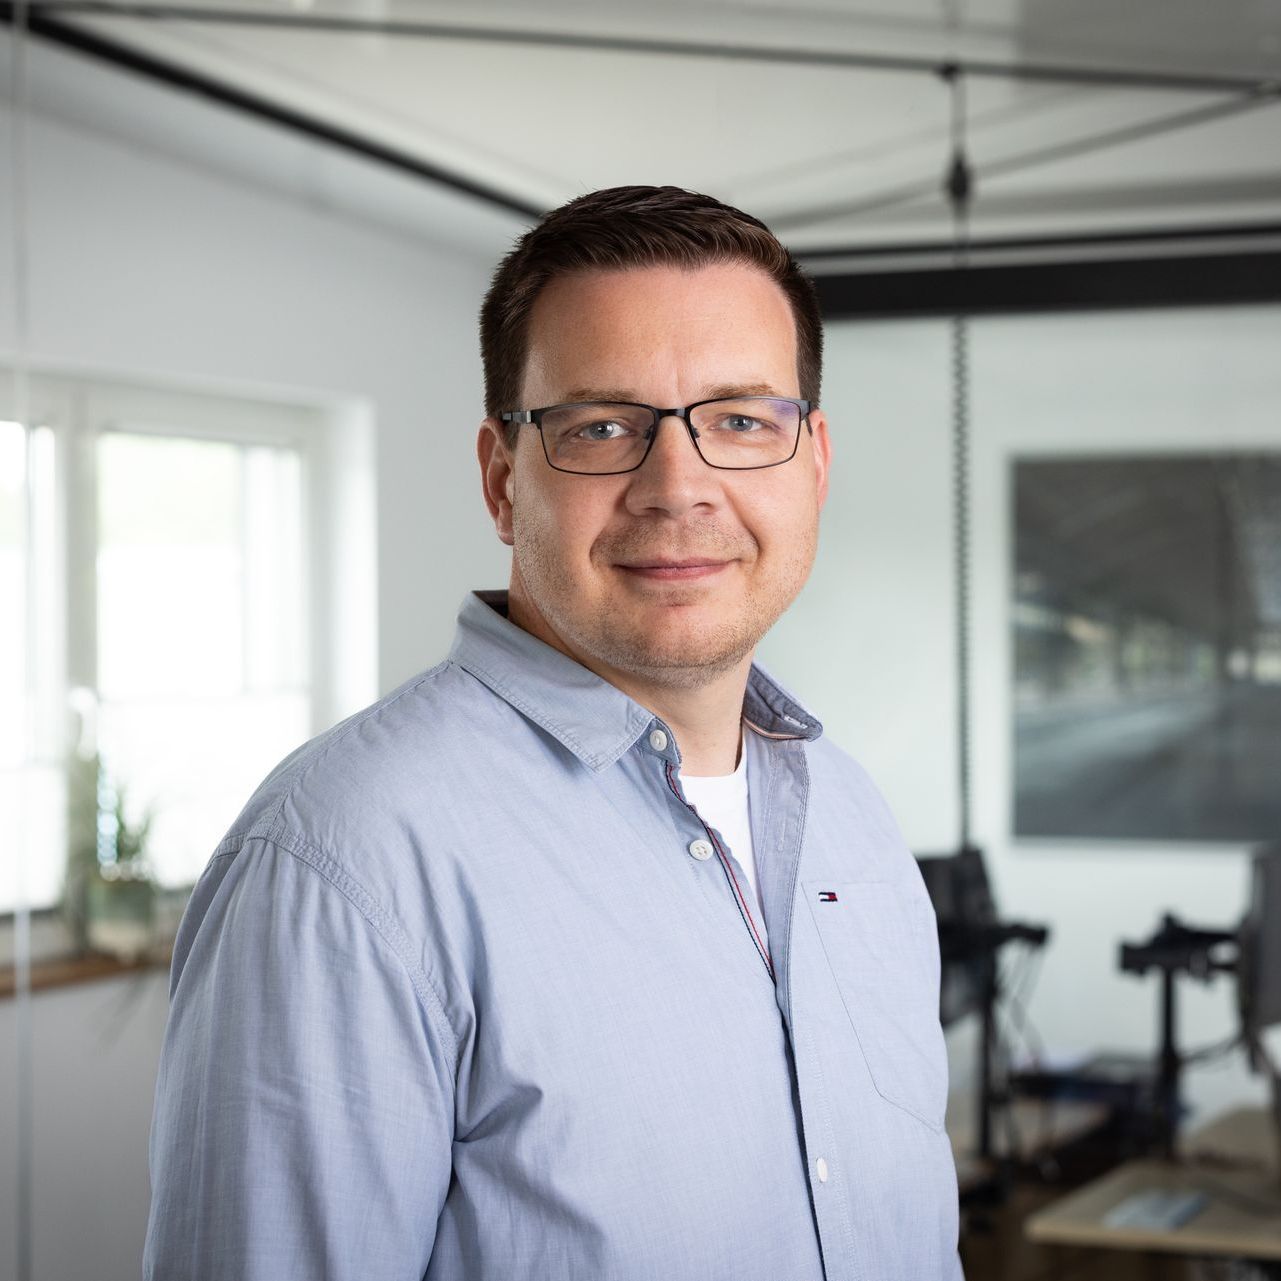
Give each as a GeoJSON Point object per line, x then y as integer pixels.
{"type": "Point", "coordinates": [827, 896]}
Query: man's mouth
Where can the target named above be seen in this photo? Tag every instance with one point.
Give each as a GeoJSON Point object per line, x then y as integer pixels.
{"type": "Point", "coordinates": [675, 570]}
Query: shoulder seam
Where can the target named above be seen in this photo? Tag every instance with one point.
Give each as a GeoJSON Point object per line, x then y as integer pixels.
{"type": "Point", "coordinates": [380, 920]}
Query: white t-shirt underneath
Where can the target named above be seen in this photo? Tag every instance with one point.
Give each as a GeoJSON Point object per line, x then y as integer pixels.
{"type": "Point", "coordinates": [721, 801]}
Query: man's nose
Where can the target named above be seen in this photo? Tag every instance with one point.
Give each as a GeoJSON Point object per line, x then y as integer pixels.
{"type": "Point", "coordinates": [673, 478]}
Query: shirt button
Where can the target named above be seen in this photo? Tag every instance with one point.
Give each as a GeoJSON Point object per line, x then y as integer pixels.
{"type": "Point", "coordinates": [821, 1166]}
{"type": "Point", "coordinates": [658, 740]}
{"type": "Point", "coordinates": [701, 850]}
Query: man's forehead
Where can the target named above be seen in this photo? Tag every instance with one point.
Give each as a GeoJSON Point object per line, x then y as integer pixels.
{"type": "Point", "coordinates": [589, 329]}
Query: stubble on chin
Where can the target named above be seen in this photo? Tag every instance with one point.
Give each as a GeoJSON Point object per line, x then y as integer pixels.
{"type": "Point", "coordinates": [680, 663]}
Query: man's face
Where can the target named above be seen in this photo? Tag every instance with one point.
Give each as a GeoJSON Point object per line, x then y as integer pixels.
{"type": "Point", "coordinates": [671, 573]}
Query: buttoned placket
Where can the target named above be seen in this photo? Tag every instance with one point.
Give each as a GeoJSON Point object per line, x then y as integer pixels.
{"type": "Point", "coordinates": [707, 847]}
{"type": "Point", "coordinates": [780, 790]}
{"type": "Point", "coordinates": [780, 801]}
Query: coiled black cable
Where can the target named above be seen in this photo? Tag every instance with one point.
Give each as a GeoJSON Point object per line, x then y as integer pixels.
{"type": "Point", "coordinates": [959, 188]}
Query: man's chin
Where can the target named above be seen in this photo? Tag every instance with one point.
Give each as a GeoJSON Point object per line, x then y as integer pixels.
{"type": "Point", "coordinates": [685, 657]}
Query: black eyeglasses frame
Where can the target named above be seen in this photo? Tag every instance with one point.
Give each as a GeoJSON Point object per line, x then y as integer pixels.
{"type": "Point", "coordinates": [534, 418]}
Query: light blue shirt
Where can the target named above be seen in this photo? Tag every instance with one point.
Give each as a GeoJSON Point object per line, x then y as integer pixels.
{"type": "Point", "coordinates": [469, 991]}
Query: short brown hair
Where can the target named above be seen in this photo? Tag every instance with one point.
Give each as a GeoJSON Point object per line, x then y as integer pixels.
{"type": "Point", "coordinates": [623, 227]}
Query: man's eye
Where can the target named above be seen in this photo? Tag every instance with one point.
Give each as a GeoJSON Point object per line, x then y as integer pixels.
{"type": "Point", "coordinates": [607, 430]}
{"type": "Point", "coordinates": [741, 423]}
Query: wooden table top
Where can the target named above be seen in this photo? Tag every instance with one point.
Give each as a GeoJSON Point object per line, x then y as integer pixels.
{"type": "Point", "coordinates": [1233, 1160]}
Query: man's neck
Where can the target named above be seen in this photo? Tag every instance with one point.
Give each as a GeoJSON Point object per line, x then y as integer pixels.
{"type": "Point", "coordinates": [706, 718]}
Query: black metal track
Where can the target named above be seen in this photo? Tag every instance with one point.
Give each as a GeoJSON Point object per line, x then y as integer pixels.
{"type": "Point", "coordinates": [1101, 284]}
{"type": "Point", "coordinates": [118, 54]}
{"type": "Point", "coordinates": [1085, 240]}
{"type": "Point", "coordinates": [1127, 77]}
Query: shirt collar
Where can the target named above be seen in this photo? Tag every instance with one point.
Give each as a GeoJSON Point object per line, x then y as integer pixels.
{"type": "Point", "coordinates": [592, 718]}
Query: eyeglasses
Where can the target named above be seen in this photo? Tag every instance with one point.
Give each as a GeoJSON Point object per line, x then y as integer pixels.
{"type": "Point", "coordinates": [739, 434]}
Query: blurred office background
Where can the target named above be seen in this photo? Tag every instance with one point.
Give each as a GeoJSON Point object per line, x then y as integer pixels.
{"type": "Point", "coordinates": [242, 249]}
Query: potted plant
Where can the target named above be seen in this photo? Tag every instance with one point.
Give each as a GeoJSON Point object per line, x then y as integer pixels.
{"type": "Point", "coordinates": [109, 893]}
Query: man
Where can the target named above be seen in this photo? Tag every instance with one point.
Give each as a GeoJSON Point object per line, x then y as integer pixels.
{"type": "Point", "coordinates": [583, 954]}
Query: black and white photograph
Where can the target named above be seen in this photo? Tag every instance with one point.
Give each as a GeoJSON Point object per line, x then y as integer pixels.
{"type": "Point", "coordinates": [1147, 647]}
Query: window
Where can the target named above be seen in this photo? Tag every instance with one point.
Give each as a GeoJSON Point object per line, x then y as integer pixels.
{"type": "Point", "coordinates": [160, 567]}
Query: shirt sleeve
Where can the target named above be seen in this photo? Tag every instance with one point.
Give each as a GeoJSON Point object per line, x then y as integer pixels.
{"type": "Point", "coordinates": [304, 1107]}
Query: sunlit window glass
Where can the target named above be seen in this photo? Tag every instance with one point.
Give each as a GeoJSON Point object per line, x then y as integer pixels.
{"type": "Point", "coordinates": [32, 785]}
{"type": "Point", "coordinates": [202, 676]}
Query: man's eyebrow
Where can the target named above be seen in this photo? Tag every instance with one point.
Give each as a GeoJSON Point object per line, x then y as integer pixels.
{"type": "Point", "coordinates": [721, 391]}
{"type": "Point", "coordinates": [598, 394]}
{"type": "Point", "coordinates": [725, 390]}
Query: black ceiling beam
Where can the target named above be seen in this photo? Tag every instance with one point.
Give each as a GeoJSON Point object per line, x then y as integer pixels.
{"type": "Point", "coordinates": [1118, 77]}
{"type": "Point", "coordinates": [1101, 284]}
{"type": "Point", "coordinates": [39, 22]}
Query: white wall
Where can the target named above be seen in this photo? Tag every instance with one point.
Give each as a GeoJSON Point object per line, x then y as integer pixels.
{"type": "Point", "coordinates": [871, 639]}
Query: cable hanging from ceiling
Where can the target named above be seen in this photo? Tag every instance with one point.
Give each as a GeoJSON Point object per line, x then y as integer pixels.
{"type": "Point", "coordinates": [959, 188]}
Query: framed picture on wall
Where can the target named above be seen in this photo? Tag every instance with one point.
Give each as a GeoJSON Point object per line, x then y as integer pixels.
{"type": "Point", "coordinates": [1146, 619]}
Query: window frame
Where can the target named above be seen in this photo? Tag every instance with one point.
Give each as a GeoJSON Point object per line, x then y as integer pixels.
{"type": "Point", "coordinates": [79, 410]}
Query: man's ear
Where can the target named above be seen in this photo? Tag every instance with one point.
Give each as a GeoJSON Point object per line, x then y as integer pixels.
{"type": "Point", "coordinates": [822, 449]}
{"type": "Point", "coordinates": [496, 476]}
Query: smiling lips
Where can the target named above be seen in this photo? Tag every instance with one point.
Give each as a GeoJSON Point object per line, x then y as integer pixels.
{"type": "Point", "coordinates": [675, 570]}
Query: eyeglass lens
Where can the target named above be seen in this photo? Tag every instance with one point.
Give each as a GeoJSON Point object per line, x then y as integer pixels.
{"type": "Point", "coordinates": [752, 431]}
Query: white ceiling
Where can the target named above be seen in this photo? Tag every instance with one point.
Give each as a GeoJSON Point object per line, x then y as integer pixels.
{"type": "Point", "coordinates": [829, 155]}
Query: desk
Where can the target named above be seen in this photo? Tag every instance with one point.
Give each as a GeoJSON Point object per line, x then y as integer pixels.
{"type": "Point", "coordinates": [1233, 1159]}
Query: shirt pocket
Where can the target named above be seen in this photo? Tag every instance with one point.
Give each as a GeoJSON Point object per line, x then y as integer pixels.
{"type": "Point", "coordinates": [881, 941]}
